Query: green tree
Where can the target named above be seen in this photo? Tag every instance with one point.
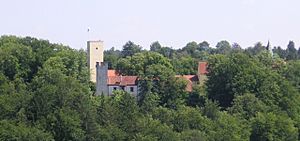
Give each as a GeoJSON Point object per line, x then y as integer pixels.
{"type": "Point", "coordinates": [238, 74]}
{"type": "Point", "coordinates": [151, 129]}
{"type": "Point", "coordinates": [193, 135]}
{"type": "Point", "coordinates": [10, 130]}
{"type": "Point", "coordinates": [270, 126]}
{"type": "Point", "coordinates": [228, 127]}
{"type": "Point", "coordinates": [291, 51]}
{"type": "Point", "coordinates": [292, 73]}
{"type": "Point", "coordinates": [185, 65]}
{"type": "Point", "coordinates": [112, 56]}
{"type": "Point", "coordinates": [130, 49]}
{"type": "Point", "coordinates": [258, 47]}
{"type": "Point", "coordinates": [172, 92]}
{"type": "Point", "coordinates": [140, 62]}
{"type": "Point", "coordinates": [155, 47]}
{"type": "Point", "coordinates": [280, 52]}
{"type": "Point", "coordinates": [223, 47]}
{"type": "Point", "coordinates": [190, 47]}
{"type": "Point", "coordinates": [203, 46]}
{"type": "Point", "coordinates": [247, 106]}
{"type": "Point", "coordinates": [196, 97]}
{"type": "Point", "coordinates": [127, 110]}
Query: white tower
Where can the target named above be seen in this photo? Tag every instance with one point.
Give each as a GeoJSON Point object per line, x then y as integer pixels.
{"type": "Point", "coordinates": [95, 51]}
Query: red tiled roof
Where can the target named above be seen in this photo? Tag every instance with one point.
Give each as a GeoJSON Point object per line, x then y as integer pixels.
{"type": "Point", "coordinates": [112, 73]}
{"type": "Point", "coordinates": [122, 80]}
{"type": "Point", "coordinates": [190, 79]}
{"type": "Point", "coordinates": [115, 79]}
{"type": "Point", "coordinates": [202, 68]}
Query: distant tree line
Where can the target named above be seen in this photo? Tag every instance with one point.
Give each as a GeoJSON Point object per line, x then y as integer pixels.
{"type": "Point", "coordinates": [251, 94]}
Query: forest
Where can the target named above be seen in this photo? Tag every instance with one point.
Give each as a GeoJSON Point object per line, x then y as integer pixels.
{"type": "Point", "coordinates": [251, 93]}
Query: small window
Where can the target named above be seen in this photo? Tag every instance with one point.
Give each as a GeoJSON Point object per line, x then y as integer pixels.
{"type": "Point", "coordinates": [131, 89]}
{"type": "Point", "coordinates": [115, 88]}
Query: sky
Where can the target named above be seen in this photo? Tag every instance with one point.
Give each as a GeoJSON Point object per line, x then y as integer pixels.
{"type": "Point", "coordinates": [173, 23]}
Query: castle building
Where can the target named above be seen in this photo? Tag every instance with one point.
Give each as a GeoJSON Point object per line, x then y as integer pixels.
{"type": "Point", "coordinates": [109, 80]}
{"type": "Point", "coordinates": [95, 51]}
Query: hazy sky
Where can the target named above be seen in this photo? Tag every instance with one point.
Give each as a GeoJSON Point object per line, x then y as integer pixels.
{"type": "Point", "coordinates": [171, 22]}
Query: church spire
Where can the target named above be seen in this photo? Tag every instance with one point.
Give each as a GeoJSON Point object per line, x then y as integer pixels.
{"type": "Point", "coordinates": [268, 46]}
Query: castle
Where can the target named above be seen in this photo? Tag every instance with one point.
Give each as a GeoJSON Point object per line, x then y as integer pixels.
{"type": "Point", "coordinates": [109, 80]}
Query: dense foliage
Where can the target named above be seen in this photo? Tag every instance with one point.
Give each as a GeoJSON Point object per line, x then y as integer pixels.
{"type": "Point", "coordinates": [250, 94]}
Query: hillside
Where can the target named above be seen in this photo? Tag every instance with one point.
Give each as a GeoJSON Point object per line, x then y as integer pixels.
{"type": "Point", "coordinates": [251, 93]}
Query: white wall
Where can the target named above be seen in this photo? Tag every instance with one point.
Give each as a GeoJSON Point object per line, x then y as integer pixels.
{"type": "Point", "coordinates": [127, 89]}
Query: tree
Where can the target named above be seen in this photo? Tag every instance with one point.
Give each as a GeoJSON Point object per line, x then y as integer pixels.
{"type": "Point", "coordinates": [211, 110]}
{"type": "Point", "coordinates": [112, 56]}
{"type": "Point", "coordinates": [187, 118]}
{"type": "Point", "coordinates": [228, 127]}
{"type": "Point", "coordinates": [203, 46]}
{"type": "Point", "coordinates": [247, 106]}
{"type": "Point", "coordinates": [280, 52]}
{"type": "Point", "coordinates": [192, 135]}
{"type": "Point", "coordinates": [155, 46]}
{"type": "Point", "coordinates": [236, 47]}
{"type": "Point", "coordinates": [127, 110]}
{"type": "Point", "coordinates": [172, 92]}
{"type": "Point", "coordinates": [291, 51]}
{"type": "Point", "coordinates": [223, 47]}
{"type": "Point", "coordinates": [152, 129]}
{"type": "Point", "coordinates": [58, 102]}
{"type": "Point", "coordinates": [271, 126]}
{"type": "Point", "coordinates": [196, 97]}
{"type": "Point", "coordinates": [9, 130]}
{"type": "Point", "coordinates": [185, 65]}
{"type": "Point", "coordinates": [238, 74]}
{"type": "Point", "coordinates": [190, 47]}
{"type": "Point", "coordinates": [258, 47]}
{"type": "Point", "coordinates": [298, 53]}
{"type": "Point", "coordinates": [140, 62]}
{"type": "Point", "coordinates": [292, 73]}
{"type": "Point", "coordinates": [130, 49]}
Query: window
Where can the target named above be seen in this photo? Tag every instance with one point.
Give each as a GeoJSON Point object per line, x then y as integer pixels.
{"type": "Point", "coordinates": [131, 89]}
{"type": "Point", "coordinates": [115, 88]}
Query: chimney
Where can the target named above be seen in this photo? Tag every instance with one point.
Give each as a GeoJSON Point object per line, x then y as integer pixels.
{"type": "Point", "coordinates": [202, 72]}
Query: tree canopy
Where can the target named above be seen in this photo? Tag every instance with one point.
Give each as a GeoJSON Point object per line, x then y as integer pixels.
{"type": "Point", "coordinates": [250, 94]}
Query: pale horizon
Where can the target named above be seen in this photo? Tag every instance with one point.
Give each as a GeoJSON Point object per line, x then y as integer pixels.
{"type": "Point", "coordinates": [172, 23]}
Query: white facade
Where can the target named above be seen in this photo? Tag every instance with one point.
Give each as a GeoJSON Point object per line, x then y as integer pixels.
{"type": "Point", "coordinates": [130, 89]}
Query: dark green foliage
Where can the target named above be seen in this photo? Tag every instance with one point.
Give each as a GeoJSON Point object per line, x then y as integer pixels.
{"type": "Point", "coordinates": [111, 57]}
{"type": "Point", "coordinates": [292, 73]}
{"type": "Point", "coordinates": [185, 65]}
{"type": "Point", "coordinates": [270, 126]}
{"type": "Point", "coordinates": [130, 49]}
{"type": "Point", "coordinates": [258, 47]}
{"type": "Point", "coordinates": [151, 129]}
{"type": "Point", "coordinates": [139, 63]}
{"type": "Point", "coordinates": [250, 94]}
{"type": "Point", "coordinates": [291, 51]}
{"type": "Point", "coordinates": [19, 131]}
{"type": "Point", "coordinates": [280, 52]}
{"type": "Point", "coordinates": [172, 92]}
{"type": "Point", "coordinates": [223, 47]}
{"type": "Point", "coordinates": [196, 97]}
{"type": "Point", "coordinates": [247, 106]}
{"type": "Point", "coordinates": [193, 135]}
